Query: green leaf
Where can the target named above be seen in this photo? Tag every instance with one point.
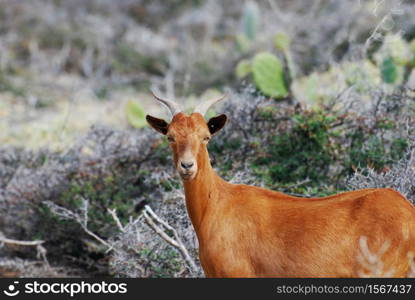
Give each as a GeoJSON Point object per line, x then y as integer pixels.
{"type": "Point", "coordinates": [135, 114]}
{"type": "Point", "coordinates": [269, 75]}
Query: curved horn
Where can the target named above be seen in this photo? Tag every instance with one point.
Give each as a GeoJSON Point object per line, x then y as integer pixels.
{"type": "Point", "coordinates": [173, 107]}
{"type": "Point", "coordinates": [203, 107]}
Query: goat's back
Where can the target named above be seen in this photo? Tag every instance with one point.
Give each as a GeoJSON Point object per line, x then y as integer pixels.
{"type": "Point", "coordinates": [256, 232]}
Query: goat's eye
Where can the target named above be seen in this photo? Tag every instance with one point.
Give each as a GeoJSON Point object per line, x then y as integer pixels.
{"type": "Point", "coordinates": [170, 139]}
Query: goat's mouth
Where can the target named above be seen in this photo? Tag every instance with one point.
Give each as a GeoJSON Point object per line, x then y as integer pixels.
{"type": "Point", "coordinates": [187, 175]}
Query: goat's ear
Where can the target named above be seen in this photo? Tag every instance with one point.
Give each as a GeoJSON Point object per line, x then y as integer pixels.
{"type": "Point", "coordinates": [216, 123]}
{"type": "Point", "coordinates": [158, 124]}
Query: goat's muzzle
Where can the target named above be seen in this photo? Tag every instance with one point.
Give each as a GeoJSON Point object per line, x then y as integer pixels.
{"type": "Point", "coordinates": [187, 169]}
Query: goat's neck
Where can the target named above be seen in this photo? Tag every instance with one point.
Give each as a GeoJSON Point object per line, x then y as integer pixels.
{"type": "Point", "coordinates": [201, 192]}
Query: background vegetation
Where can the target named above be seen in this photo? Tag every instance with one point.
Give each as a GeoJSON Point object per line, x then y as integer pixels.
{"type": "Point", "coordinates": [321, 100]}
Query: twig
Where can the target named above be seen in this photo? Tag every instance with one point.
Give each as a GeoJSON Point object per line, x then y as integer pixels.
{"type": "Point", "coordinates": [20, 243]}
{"type": "Point", "coordinates": [41, 251]}
{"type": "Point", "coordinates": [297, 184]}
{"type": "Point", "coordinates": [117, 221]}
{"type": "Point", "coordinates": [98, 238]}
{"type": "Point", "coordinates": [83, 221]}
{"type": "Point", "coordinates": [176, 242]}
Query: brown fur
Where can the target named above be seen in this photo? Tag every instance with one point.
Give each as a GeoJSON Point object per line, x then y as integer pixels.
{"type": "Point", "coordinates": [247, 231]}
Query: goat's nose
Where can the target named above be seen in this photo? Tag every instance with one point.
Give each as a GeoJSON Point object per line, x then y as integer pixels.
{"type": "Point", "coordinates": [186, 165]}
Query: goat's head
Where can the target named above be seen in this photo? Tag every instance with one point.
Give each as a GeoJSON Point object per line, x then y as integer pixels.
{"type": "Point", "coordinates": [188, 135]}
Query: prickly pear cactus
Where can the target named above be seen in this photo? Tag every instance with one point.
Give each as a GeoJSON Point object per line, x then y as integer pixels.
{"type": "Point", "coordinates": [250, 20]}
{"type": "Point", "coordinates": [389, 70]}
{"type": "Point", "coordinates": [243, 68]}
{"type": "Point", "coordinates": [392, 59]}
{"type": "Point", "coordinates": [282, 42]}
{"type": "Point", "coordinates": [412, 46]}
{"type": "Point", "coordinates": [269, 75]}
{"type": "Point", "coordinates": [397, 48]}
{"type": "Point", "coordinates": [243, 44]}
{"type": "Point", "coordinates": [135, 114]}
{"type": "Point", "coordinates": [322, 88]}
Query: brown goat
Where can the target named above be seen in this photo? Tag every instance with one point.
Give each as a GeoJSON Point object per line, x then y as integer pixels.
{"type": "Point", "coordinates": [247, 231]}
